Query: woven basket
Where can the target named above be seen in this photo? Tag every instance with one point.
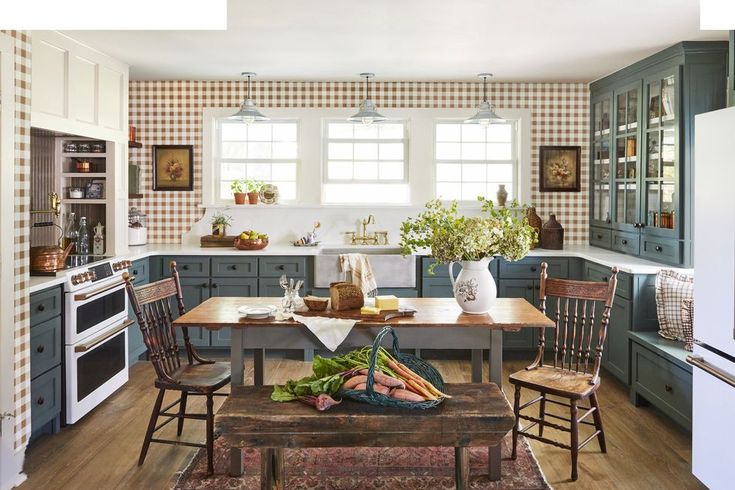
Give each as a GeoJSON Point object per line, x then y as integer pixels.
{"type": "Point", "coordinates": [416, 364]}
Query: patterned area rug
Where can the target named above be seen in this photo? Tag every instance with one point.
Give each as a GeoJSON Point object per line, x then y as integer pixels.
{"type": "Point", "coordinates": [367, 468]}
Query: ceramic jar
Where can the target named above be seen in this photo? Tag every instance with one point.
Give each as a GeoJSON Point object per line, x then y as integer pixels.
{"type": "Point", "coordinates": [534, 220]}
{"type": "Point", "coordinates": [502, 195]}
{"type": "Point", "coordinates": [552, 234]}
{"type": "Point", "coordinates": [474, 288]}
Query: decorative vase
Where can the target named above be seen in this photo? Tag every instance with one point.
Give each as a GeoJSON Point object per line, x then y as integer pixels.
{"type": "Point", "coordinates": [502, 195]}
{"type": "Point", "coordinates": [474, 289]}
{"type": "Point", "coordinates": [240, 197]}
{"type": "Point", "coordinates": [534, 220]}
{"type": "Point", "coordinates": [552, 234]}
{"type": "Point", "coordinates": [253, 197]}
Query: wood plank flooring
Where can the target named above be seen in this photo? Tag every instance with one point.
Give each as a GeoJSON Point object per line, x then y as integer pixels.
{"type": "Point", "coordinates": [645, 449]}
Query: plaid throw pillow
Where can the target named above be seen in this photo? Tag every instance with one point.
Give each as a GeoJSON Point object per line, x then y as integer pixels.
{"type": "Point", "coordinates": [687, 321]}
{"type": "Point", "coordinates": [671, 289]}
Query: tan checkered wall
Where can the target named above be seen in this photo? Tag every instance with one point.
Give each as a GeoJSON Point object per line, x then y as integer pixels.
{"type": "Point", "coordinates": [170, 112]}
{"type": "Point", "coordinates": [22, 374]}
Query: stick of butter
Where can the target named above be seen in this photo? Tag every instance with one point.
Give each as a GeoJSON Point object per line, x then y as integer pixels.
{"type": "Point", "coordinates": [369, 310]}
{"type": "Point", "coordinates": [388, 302]}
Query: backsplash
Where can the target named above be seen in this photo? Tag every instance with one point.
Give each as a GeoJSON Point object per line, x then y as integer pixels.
{"type": "Point", "coordinates": [170, 112]}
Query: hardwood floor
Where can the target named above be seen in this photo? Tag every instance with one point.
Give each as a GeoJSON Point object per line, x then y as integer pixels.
{"type": "Point", "coordinates": [645, 449]}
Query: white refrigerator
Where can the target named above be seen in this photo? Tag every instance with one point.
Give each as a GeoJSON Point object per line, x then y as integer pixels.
{"type": "Point", "coordinates": [713, 359]}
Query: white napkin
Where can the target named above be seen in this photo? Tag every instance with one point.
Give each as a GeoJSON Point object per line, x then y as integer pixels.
{"type": "Point", "coordinates": [331, 331]}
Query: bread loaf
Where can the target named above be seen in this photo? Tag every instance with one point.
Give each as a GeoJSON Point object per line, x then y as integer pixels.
{"type": "Point", "coordinates": [345, 296]}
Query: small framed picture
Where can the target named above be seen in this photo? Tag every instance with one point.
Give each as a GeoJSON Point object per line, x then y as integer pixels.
{"type": "Point", "coordinates": [560, 168]}
{"type": "Point", "coordinates": [94, 190]}
{"type": "Point", "coordinates": [173, 167]}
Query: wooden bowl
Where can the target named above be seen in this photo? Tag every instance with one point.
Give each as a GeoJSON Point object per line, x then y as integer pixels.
{"type": "Point", "coordinates": [258, 244]}
{"type": "Point", "coordinates": [315, 303]}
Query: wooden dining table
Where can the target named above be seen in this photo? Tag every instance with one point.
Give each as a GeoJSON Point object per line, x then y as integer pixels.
{"type": "Point", "coordinates": [438, 323]}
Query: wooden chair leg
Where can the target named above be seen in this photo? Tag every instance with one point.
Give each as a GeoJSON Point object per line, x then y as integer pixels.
{"type": "Point", "coordinates": [516, 412]}
{"type": "Point", "coordinates": [461, 468]}
{"type": "Point", "coordinates": [574, 437]}
{"type": "Point", "coordinates": [541, 414]}
{"type": "Point", "coordinates": [151, 426]}
{"type": "Point", "coordinates": [597, 416]}
{"type": "Point", "coordinates": [182, 411]}
{"type": "Point", "coordinates": [210, 433]}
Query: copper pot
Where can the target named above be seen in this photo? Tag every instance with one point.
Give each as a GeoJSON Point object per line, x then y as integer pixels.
{"type": "Point", "coordinates": [50, 258]}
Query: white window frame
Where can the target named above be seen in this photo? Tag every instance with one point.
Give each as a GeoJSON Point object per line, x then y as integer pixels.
{"type": "Point", "coordinates": [514, 158]}
{"type": "Point", "coordinates": [421, 148]}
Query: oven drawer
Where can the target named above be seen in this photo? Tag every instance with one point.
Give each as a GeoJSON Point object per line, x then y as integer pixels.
{"type": "Point", "coordinates": [45, 305]}
{"type": "Point", "coordinates": [46, 343]}
{"type": "Point", "coordinates": [46, 397]}
{"type": "Point", "coordinates": [187, 266]}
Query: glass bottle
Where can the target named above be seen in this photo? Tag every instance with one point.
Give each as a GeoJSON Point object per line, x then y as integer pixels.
{"type": "Point", "coordinates": [71, 232]}
{"type": "Point", "coordinates": [83, 241]}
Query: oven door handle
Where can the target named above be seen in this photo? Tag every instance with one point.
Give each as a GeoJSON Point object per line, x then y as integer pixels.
{"type": "Point", "coordinates": [86, 296]}
{"type": "Point", "coordinates": [709, 368]}
{"type": "Point", "coordinates": [98, 340]}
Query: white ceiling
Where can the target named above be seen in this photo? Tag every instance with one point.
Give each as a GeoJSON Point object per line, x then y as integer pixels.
{"type": "Point", "coordinates": [518, 40]}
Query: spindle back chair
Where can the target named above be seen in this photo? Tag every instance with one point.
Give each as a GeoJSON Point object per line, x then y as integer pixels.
{"type": "Point", "coordinates": [151, 304]}
{"type": "Point", "coordinates": [581, 312]}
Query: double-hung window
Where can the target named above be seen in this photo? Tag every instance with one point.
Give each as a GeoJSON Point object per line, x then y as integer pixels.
{"type": "Point", "coordinates": [474, 160]}
{"type": "Point", "coordinates": [264, 151]}
{"type": "Point", "coordinates": [365, 163]}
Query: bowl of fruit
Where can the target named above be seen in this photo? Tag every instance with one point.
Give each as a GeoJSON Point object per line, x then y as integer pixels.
{"type": "Point", "coordinates": [251, 240]}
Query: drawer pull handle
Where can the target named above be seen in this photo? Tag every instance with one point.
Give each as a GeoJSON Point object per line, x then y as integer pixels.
{"type": "Point", "coordinates": [534, 268]}
{"type": "Point", "coordinates": [40, 400]}
{"type": "Point", "coordinates": [668, 388]}
{"type": "Point", "coordinates": [135, 272]}
{"type": "Point", "coordinates": [281, 267]}
{"type": "Point", "coordinates": [233, 267]}
{"type": "Point", "coordinates": [605, 278]}
{"type": "Point", "coordinates": [205, 285]}
{"type": "Point", "coordinates": [41, 307]}
{"type": "Point", "coordinates": [40, 349]}
{"type": "Point", "coordinates": [214, 285]}
{"type": "Point", "coordinates": [185, 267]}
{"type": "Point", "coordinates": [624, 242]}
{"type": "Point", "coordinates": [659, 248]}
{"type": "Point", "coordinates": [599, 236]}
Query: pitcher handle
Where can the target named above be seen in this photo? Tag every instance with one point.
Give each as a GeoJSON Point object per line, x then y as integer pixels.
{"type": "Point", "coordinates": [451, 273]}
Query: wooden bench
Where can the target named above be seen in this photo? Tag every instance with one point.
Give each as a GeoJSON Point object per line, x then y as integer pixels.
{"type": "Point", "coordinates": [477, 415]}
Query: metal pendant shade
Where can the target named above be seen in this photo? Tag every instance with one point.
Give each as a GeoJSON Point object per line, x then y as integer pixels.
{"type": "Point", "coordinates": [485, 111]}
{"type": "Point", "coordinates": [248, 112]}
{"type": "Point", "coordinates": [368, 113]}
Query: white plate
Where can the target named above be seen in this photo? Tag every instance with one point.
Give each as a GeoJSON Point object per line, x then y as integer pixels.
{"type": "Point", "coordinates": [257, 311]}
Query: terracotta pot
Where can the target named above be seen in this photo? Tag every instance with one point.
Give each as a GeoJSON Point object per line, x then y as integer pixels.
{"type": "Point", "coordinates": [240, 197]}
{"type": "Point", "coordinates": [253, 197]}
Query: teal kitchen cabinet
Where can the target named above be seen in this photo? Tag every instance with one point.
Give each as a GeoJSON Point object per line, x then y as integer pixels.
{"type": "Point", "coordinates": [527, 338]}
{"type": "Point", "coordinates": [195, 291]}
{"type": "Point", "coordinates": [139, 270]}
{"type": "Point", "coordinates": [232, 287]}
{"type": "Point", "coordinates": [642, 151]}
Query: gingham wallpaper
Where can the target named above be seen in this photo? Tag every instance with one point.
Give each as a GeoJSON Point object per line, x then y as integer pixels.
{"type": "Point", "coordinates": [22, 202]}
{"type": "Point", "coordinates": [170, 112]}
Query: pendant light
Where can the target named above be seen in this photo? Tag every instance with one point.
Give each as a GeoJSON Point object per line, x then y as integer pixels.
{"type": "Point", "coordinates": [486, 112]}
{"type": "Point", "coordinates": [368, 113]}
{"type": "Point", "coordinates": [248, 112]}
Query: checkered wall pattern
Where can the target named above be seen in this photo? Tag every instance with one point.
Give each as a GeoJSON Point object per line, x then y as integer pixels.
{"type": "Point", "coordinates": [170, 112]}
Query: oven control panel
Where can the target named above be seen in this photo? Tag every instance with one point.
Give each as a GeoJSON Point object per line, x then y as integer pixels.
{"type": "Point", "coordinates": [123, 264]}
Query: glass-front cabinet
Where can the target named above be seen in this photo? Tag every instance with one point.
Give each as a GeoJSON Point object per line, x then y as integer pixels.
{"type": "Point", "coordinates": [641, 159]}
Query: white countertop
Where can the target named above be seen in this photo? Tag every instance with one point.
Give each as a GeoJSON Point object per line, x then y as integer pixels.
{"type": "Point", "coordinates": [626, 263]}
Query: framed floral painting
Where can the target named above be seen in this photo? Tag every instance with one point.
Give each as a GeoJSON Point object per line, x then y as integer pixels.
{"type": "Point", "coordinates": [560, 168]}
{"type": "Point", "coordinates": [173, 167]}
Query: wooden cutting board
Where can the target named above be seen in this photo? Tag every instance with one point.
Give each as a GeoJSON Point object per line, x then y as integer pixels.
{"type": "Point", "coordinates": [356, 315]}
{"type": "Point", "coordinates": [211, 241]}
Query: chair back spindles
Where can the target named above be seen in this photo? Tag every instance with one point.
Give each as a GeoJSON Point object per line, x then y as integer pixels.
{"type": "Point", "coordinates": [575, 318]}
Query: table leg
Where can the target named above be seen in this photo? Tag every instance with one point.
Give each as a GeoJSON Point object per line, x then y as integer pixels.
{"type": "Point", "coordinates": [477, 365]}
{"type": "Point", "coordinates": [259, 367]}
{"type": "Point", "coordinates": [271, 469]}
{"type": "Point", "coordinates": [496, 376]}
{"type": "Point", "coordinates": [235, 461]}
{"type": "Point", "coordinates": [236, 361]}
{"type": "Point", "coordinates": [461, 468]}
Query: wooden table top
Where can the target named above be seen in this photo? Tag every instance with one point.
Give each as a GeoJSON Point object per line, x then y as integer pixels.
{"type": "Point", "coordinates": [506, 314]}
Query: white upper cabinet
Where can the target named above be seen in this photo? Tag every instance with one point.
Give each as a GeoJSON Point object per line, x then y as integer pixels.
{"type": "Point", "coordinates": [77, 90]}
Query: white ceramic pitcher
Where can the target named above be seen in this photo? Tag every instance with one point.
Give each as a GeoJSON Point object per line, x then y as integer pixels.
{"type": "Point", "coordinates": [474, 289]}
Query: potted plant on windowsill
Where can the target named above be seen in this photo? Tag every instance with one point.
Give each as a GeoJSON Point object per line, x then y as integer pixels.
{"type": "Point", "coordinates": [237, 191]}
{"type": "Point", "coordinates": [253, 187]}
{"type": "Point", "coordinates": [473, 241]}
{"type": "Point", "coordinates": [220, 222]}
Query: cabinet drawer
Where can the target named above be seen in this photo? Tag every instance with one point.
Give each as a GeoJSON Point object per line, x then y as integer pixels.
{"type": "Point", "coordinates": [234, 267]}
{"type": "Point", "coordinates": [662, 383]}
{"type": "Point", "coordinates": [46, 345]}
{"type": "Point", "coordinates": [662, 250]}
{"type": "Point", "coordinates": [140, 270]}
{"type": "Point", "coordinates": [270, 287]}
{"type": "Point", "coordinates": [45, 305]}
{"type": "Point", "coordinates": [628, 243]}
{"type": "Point", "coordinates": [530, 268]}
{"type": "Point", "coordinates": [46, 397]}
{"type": "Point", "coordinates": [187, 266]}
{"type": "Point", "coordinates": [277, 266]}
{"type": "Point", "coordinates": [600, 237]}
{"type": "Point", "coordinates": [600, 273]}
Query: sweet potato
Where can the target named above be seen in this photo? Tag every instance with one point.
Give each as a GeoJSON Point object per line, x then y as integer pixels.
{"type": "Point", "coordinates": [405, 395]}
{"type": "Point", "coordinates": [354, 381]}
{"type": "Point", "coordinates": [378, 388]}
{"type": "Point", "coordinates": [385, 380]}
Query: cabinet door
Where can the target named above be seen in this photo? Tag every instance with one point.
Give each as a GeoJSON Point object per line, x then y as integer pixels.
{"type": "Point", "coordinates": [625, 169]}
{"type": "Point", "coordinates": [601, 160]}
{"type": "Point", "coordinates": [270, 287]}
{"type": "Point", "coordinates": [239, 287]}
{"type": "Point", "coordinates": [195, 291]}
{"type": "Point", "coordinates": [136, 345]}
{"type": "Point", "coordinates": [525, 339]}
{"type": "Point", "coordinates": [616, 355]}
